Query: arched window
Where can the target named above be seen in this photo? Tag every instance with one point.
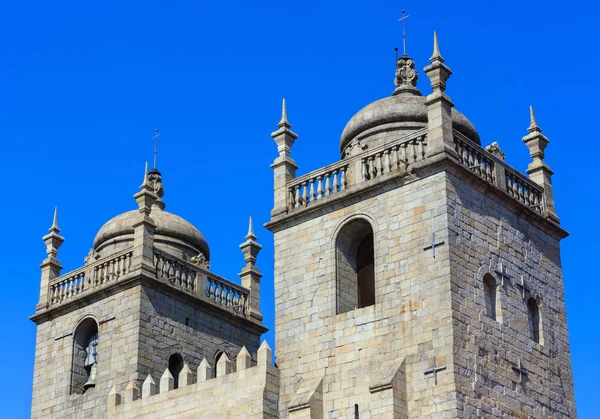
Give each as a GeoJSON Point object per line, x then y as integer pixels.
{"type": "Point", "coordinates": [489, 292]}
{"type": "Point", "coordinates": [355, 266]}
{"type": "Point", "coordinates": [175, 367]}
{"type": "Point", "coordinates": [535, 321]}
{"type": "Point", "coordinates": [85, 356]}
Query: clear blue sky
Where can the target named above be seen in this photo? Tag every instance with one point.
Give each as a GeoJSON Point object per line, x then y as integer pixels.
{"type": "Point", "coordinates": [83, 85]}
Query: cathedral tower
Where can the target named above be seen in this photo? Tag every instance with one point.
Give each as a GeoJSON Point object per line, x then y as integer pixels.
{"type": "Point", "coordinates": [144, 308]}
{"type": "Point", "coordinates": [420, 275]}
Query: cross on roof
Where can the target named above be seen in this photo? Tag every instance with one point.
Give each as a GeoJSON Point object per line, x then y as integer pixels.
{"type": "Point", "coordinates": [521, 370]}
{"type": "Point", "coordinates": [433, 245]}
{"type": "Point", "coordinates": [434, 370]}
{"type": "Point", "coordinates": [404, 16]}
{"type": "Point", "coordinates": [523, 287]}
{"type": "Point", "coordinates": [155, 138]}
{"type": "Point", "coordinates": [502, 271]}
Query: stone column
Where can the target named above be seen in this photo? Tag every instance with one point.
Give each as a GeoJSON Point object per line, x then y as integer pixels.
{"type": "Point", "coordinates": [284, 167]}
{"type": "Point", "coordinates": [250, 274]}
{"type": "Point", "coordinates": [144, 226]}
{"type": "Point", "coordinates": [439, 106]}
{"type": "Point", "coordinates": [51, 267]}
{"type": "Point", "coordinates": [538, 170]}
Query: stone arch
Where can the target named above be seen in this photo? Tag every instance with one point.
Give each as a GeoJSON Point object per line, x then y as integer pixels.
{"type": "Point", "coordinates": [175, 367]}
{"type": "Point", "coordinates": [491, 293]}
{"type": "Point", "coordinates": [84, 355]}
{"type": "Point", "coordinates": [354, 246]}
{"type": "Point", "coordinates": [534, 316]}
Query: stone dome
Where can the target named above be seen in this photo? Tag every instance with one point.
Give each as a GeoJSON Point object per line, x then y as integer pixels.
{"type": "Point", "coordinates": [402, 113]}
{"type": "Point", "coordinates": [172, 234]}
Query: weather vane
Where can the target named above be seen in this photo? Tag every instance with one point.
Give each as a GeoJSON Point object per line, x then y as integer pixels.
{"type": "Point", "coordinates": [404, 16]}
{"type": "Point", "coordinates": [155, 138]}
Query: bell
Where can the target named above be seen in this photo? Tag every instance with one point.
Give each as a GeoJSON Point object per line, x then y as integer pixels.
{"type": "Point", "coordinates": [91, 382]}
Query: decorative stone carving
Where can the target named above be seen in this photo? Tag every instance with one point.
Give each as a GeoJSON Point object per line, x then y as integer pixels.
{"type": "Point", "coordinates": [201, 261]}
{"type": "Point", "coordinates": [406, 76]}
{"type": "Point", "coordinates": [91, 257]}
{"type": "Point", "coordinates": [155, 179]}
{"type": "Point", "coordinates": [494, 149]}
{"type": "Point", "coordinates": [354, 148]}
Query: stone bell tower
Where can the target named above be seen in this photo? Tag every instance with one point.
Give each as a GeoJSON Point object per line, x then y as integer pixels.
{"type": "Point", "coordinates": [144, 308]}
{"type": "Point", "coordinates": [418, 276]}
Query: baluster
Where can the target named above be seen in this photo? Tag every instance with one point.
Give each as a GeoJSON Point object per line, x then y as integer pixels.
{"type": "Point", "coordinates": [223, 299]}
{"type": "Point", "coordinates": [422, 143]}
{"type": "Point", "coordinates": [380, 165]}
{"type": "Point", "coordinates": [335, 181]}
{"type": "Point", "coordinates": [319, 187]}
{"type": "Point", "coordinates": [343, 179]}
{"type": "Point", "coordinates": [365, 170]}
{"type": "Point", "coordinates": [229, 299]}
{"type": "Point", "coordinates": [52, 294]}
{"type": "Point", "coordinates": [297, 196]}
{"type": "Point", "coordinates": [404, 153]}
{"type": "Point", "coordinates": [372, 168]}
{"type": "Point", "coordinates": [304, 193]}
{"type": "Point", "coordinates": [387, 161]}
{"type": "Point", "coordinates": [212, 290]}
{"type": "Point", "coordinates": [328, 184]}
{"type": "Point", "coordinates": [312, 193]}
{"type": "Point", "coordinates": [396, 153]}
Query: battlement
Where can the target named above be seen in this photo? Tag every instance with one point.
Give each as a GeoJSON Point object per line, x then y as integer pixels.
{"type": "Point", "coordinates": [252, 390]}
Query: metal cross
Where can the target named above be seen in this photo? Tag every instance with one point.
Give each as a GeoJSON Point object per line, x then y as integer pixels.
{"type": "Point", "coordinates": [523, 287]}
{"type": "Point", "coordinates": [434, 370]}
{"type": "Point", "coordinates": [155, 138]}
{"type": "Point", "coordinates": [433, 245]}
{"type": "Point", "coordinates": [502, 271]}
{"type": "Point", "coordinates": [404, 16]}
{"type": "Point", "coordinates": [522, 371]}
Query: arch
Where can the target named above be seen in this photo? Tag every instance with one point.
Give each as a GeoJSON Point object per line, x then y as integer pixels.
{"type": "Point", "coordinates": [489, 293]}
{"type": "Point", "coordinates": [355, 265]}
{"type": "Point", "coordinates": [84, 355]}
{"type": "Point", "coordinates": [175, 367]}
{"type": "Point", "coordinates": [535, 321]}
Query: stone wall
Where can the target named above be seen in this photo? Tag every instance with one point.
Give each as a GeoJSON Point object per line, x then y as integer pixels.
{"type": "Point", "coordinates": [410, 323]}
{"type": "Point", "coordinates": [118, 332]}
{"type": "Point", "coordinates": [484, 232]}
{"type": "Point", "coordinates": [248, 393]}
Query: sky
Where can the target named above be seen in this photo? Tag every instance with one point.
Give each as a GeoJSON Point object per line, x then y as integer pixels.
{"type": "Point", "coordinates": [83, 85]}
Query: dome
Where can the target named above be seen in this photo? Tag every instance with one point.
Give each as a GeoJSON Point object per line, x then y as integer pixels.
{"type": "Point", "coordinates": [173, 234]}
{"type": "Point", "coordinates": [402, 113]}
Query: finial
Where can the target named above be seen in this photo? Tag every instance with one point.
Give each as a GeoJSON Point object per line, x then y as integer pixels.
{"type": "Point", "coordinates": [284, 121]}
{"type": "Point", "coordinates": [155, 138]}
{"type": "Point", "coordinates": [436, 49]}
{"type": "Point", "coordinates": [404, 16]}
{"type": "Point", "coordinates": [55, 221]}
{"type": "Point", "coordinates": [145, 182]}
{"type": "Point", "coordinates": [250, 235]}
{"type": "Point", "coordinates": [533, 126]}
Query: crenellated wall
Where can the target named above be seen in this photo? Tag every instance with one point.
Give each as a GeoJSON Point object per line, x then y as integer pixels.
{"type": "Point", "coordinates": [252, 391]}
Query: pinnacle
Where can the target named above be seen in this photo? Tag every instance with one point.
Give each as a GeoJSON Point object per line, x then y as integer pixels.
{"type": "Point", "coordinates": [145, 176]}
{"type": "Point", "coordinates": [284, 121]}
{"type": "Point", "coordinates": [533, 126]}
{"type": "Point", "coordinates": [250, 235]}
{"type": "Point", "coordinates": [436, 49]}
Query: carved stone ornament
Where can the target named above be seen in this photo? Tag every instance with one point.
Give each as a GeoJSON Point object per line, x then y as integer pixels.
{"type": "Point", "coordinates": [354, 148]}
{"type": "Point", "coordinates": [201, 261]}
{"type": "Point", "coordinates": [494, 149]}
{"type": "Point", "coordinates": [91, 257]}
{"type": "Point", "coordinates": [406, 75]}
{"type": "Point", "coordinates": [155, 179]}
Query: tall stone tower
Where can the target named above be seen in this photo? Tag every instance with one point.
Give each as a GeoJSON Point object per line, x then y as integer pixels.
{"type": "Point", "coordinates": [420, 275]}
{"type": "Point", "coordinates": [145, 308]}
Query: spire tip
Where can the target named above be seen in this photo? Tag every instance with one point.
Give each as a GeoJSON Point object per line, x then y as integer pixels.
{"type": "Point", "coordinates": [284, 120]}
{"type": "Point", "coordinates": [436, 49]}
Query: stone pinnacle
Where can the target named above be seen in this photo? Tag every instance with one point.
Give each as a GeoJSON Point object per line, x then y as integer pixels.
{"type": "Point", "coordinates": [284, 121]}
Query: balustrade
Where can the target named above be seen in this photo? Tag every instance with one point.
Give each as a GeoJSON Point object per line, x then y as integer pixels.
{"type": "Point", "coordinates": [524, 191]}
{"type": "Point", "coordinates": [201, 282]}
{"type": "Point", "coordinates": [474, 158]}
{"type": "Point", "coordinates": [317, 185]}
{"type": "Point", "coordinates": [77, 282]}
{"type": "Point", "coordinates": [395, 156]}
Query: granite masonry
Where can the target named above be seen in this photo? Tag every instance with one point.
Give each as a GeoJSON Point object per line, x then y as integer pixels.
{"type": "Point", "coordinates": [417, 277]}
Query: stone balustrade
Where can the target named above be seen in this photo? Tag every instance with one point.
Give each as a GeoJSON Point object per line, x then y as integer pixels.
{"type": "Point", "coordinates": [474, 158]}
{"type": "Point", "coordinates": [395, 156]}
{"type": "Point", "coordinates": [201, 282]}
{"type": "Point", "coordinates": [77, 282]}
{"type": "Point", "coordinates": [486, 165]}
{"type": "Point", "coordinates": [524, 190]}
{"type": "Point", "coordinates": [372, 164]}
{"type": "Point", "coordinates": [318, 184]}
